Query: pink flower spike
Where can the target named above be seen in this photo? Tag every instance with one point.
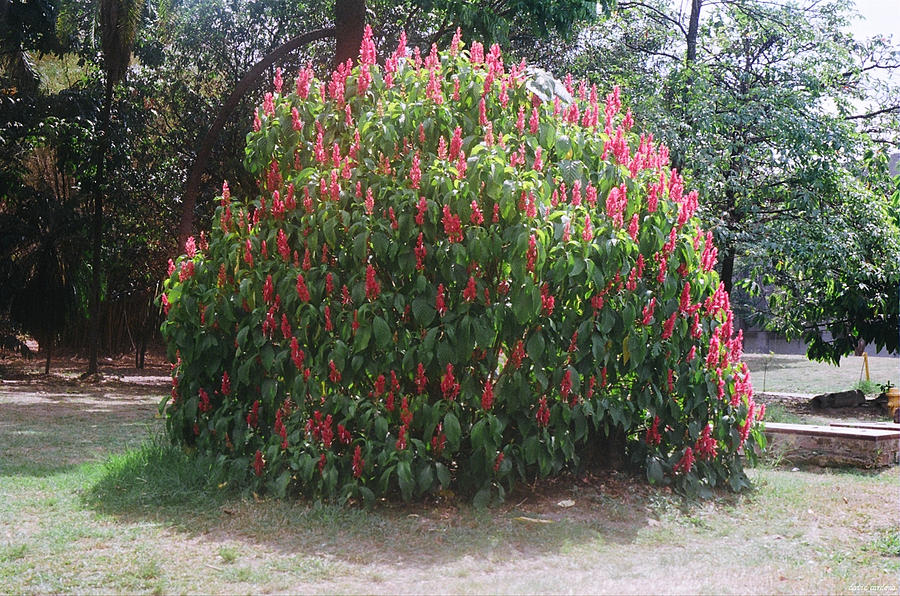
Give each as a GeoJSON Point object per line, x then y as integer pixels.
{"type": "Point", "coordinates": [588, 234]}
{"type": "Point", "coordinates": [367, 47]}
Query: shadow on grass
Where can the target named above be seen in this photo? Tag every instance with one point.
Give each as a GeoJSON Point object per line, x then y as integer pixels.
{"type": "Point", "coordinates": [161, 483]}
{"type": "Point", "coordinates": [43, 438]}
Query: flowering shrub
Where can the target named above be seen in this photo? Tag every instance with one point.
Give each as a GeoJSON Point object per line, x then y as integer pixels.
{"type": "Point", "coordinates": [452, 277]}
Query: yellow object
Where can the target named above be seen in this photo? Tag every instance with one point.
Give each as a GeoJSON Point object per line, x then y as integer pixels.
{"type": "Point", "coordinates": [533, 520]}
{"type": "Point", "coordinates": [866, 363]}
{"type": "Point", "coordinates": [893, 395]}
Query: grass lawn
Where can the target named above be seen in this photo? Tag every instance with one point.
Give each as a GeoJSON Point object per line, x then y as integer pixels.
{"type": "Point", "coordinates": [91, 502]}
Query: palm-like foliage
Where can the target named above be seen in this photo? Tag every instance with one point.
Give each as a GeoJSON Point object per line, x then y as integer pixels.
{"type": "Point", "coordinates": [119, 21]}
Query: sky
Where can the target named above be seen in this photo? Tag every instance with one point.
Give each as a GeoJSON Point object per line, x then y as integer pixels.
{"type": "Point", "coordinates": [880, 17]}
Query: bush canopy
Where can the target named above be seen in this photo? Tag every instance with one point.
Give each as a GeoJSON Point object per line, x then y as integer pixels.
{"type": "Point", "coordinates": [456, 273]}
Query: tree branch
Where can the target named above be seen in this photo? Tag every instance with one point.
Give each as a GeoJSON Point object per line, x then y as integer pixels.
{"type": "Point", "coordinates": [887, 110]}
{"type": "Point", "coordinates": [656, 11]}
{"type": "Point", "coordinates": [191, 188]}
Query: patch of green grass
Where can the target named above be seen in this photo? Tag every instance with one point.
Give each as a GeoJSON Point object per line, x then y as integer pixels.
{"type": "Point", "coordinates": [246, 575]}
{"type": "Point", "coordinates": [13, 552]}
{"type": "Point", "coordinates": [156, 475]}
{"type": "Point", "coordinates": [868, 387]}
{"type": "Point", "coordinates": [776, 412]}
{"type": "Point", "coordinates": [888, 544]}
{"type": "Point", "coordinates": [229, 554]}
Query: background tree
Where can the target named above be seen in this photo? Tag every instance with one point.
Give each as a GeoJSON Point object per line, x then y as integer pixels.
{"type": "Point", "coordinates": [774, 107]}
{"type": "Point", "coordinates": [118, 27]}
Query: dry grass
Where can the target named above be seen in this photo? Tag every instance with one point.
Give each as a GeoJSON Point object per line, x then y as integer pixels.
{"type": "Point", "coordinates": [72, 520]}
{"type": "Point", "coordinates": [796, 374]}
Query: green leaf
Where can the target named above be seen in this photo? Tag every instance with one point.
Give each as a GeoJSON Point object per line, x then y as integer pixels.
{"type": "Point", "coordinates": [382, 332]}
{"type": "Point", "coordinates": [452, 430]}
{"type": "Point", "coordinates": [423, 311]}
{"type": "Point", "coordinates": [426, 478]}
{"type": "Point", "coordinates": [363, 335]}
{"type": "Point", "coordinates": [267, 354]}
{"type": "Point", "coordinates": [405, 479]}
{"type": "Point", "coordinates": [530, 449]}
{"type": "Point", "coordinates": [654, 471]}
{"type": "Point", "coordinates": [381, 428]}
{"type": "Point", "coordinates": [536, 346]}
{"type": "Point", "coordinates": [282, 483]}
{"type": "Point", "coordinates": [443, 474]}
{"type": "Point", "coordinates": [269, 388]}
{"type": "Point", "coordinates": [482, 498]}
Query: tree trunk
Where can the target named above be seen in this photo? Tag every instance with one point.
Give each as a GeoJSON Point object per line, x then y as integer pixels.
{"type": "Point", "coordinates": [727, 274]}
{"type": "Point", "coordinates": [192, 186]}
{"type": "Point", "coordinates": [690, 57]}
{"type": "Point", "coordinates": [349, 24]}
{"type": "Point", "coordinates": [49, 355]}
{"type": "Point", "coordinates": [97, 231]}
{"type": "Point", "coordinates": [693, 28]}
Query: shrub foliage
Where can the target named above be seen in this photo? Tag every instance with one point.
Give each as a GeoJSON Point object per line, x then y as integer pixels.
{"type": "Point", "coordinates": [456, 273]}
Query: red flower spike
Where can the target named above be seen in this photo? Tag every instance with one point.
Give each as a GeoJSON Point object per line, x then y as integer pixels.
{"type": "Point", "coordinates": [358, 462]}
{"type": "Point", "coordinates": [415, 173]}
{"type": "Point", "coordinates": [439, 303]}
{"type": "Point", "coordinates": [334, 375]}
{"type": "Point", "coordinates": [285, 326]}
{"type": "Point", "coordinates": [487, 395]}
{"type": "Point", "coordinates": [565, 385]}
{"type": "Point", "coordinates": [452, 225]}
{"type": "Point", "coordinates": [449, 385]}
{"type": "Point", "coordinates": [686, 462]}
{"type": "Point", "coordinates": [647, 312]}
{"type": "Point", "coordinates": [373, 289]}
{"type": "Point", "coordinates": [253, 416]}
{"type": "Point", "coordinates": [653, 437]}
{"type": "Point", "coordinates": [547, 300]}
{"type": "Point", "coordinates": [307, 265]}
{"type": "Point", "coordinates": [420, 253]}
{"type": "Point", "coordinates": [705, 448]}
{"type": "Point", "coordinates": [531, 255]}
{"type": "Point", "coordinates": [421, 210]}
{"type": "Point", "coordinates": [476, 217]}
{"type": "Point", "coordinates": [369, 202]}
{"type": "Point", "coordinates": [470, 293]}
{"type": "Point", "coordinates": [669, 325]}
{"type": "Point", "coordinates": [421, 380]}
{"type": "Point", "coordinates": [204, 405]}
{"type": "Point", "coordinates": [258, 463]}
{"type": "Point", "coordinates": [248, 254]}
{"type": "Point", "coordinates": [302, 290]}
{"type": "Point", "coordinates": [297, 355]}
{"type": "Point", "coordinates": [543, 413]}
